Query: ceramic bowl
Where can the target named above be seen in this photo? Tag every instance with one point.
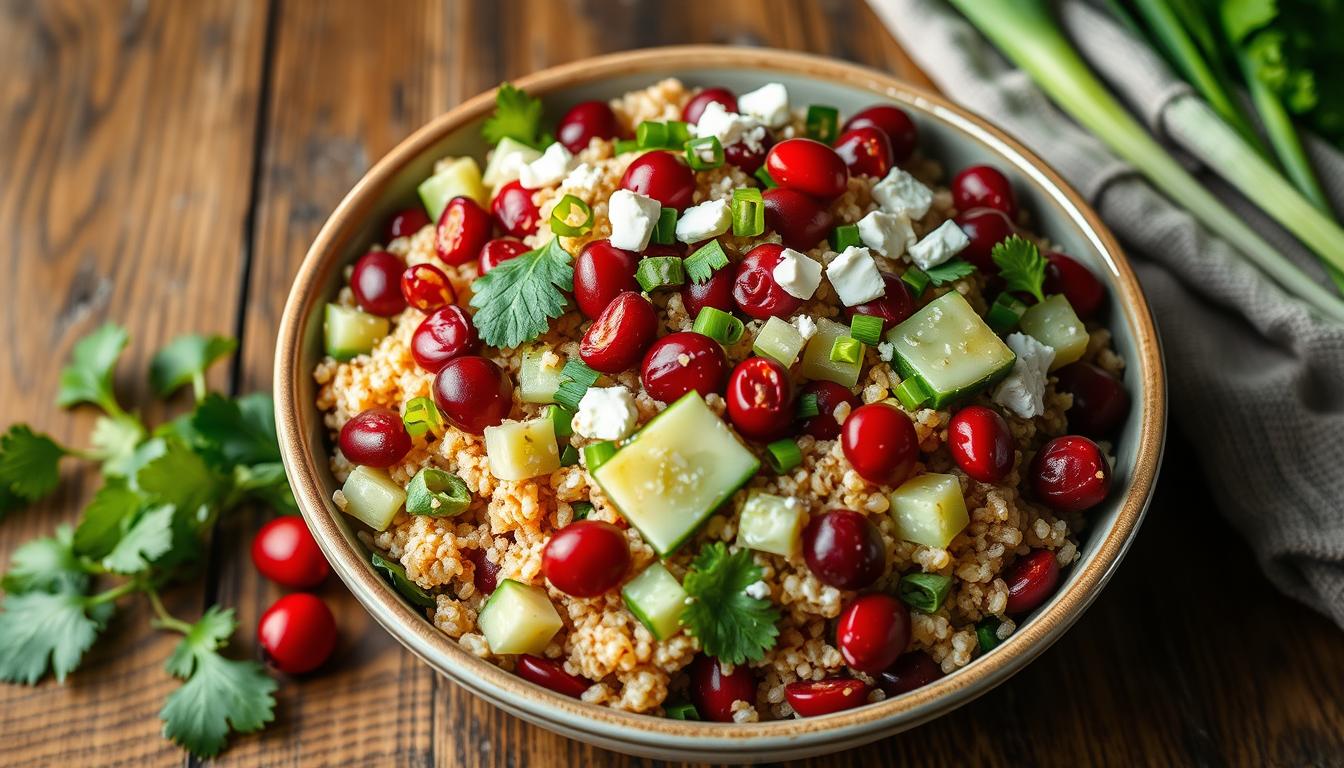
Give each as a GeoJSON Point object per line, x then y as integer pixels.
{"type": "Point", "coordinates": [947, 133]}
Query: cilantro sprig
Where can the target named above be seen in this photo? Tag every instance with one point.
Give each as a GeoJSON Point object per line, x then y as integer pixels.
{"type": "Point", "coordinates": [517, 116]}
{"type": "Point", "coordinates": [517, 300]}
{"type": "Point", "coordinates": [731, 625]}
{"type": "Point", "coordinates": [948, 271]}
{"type": "Point", "coordinates": [1021, 266]}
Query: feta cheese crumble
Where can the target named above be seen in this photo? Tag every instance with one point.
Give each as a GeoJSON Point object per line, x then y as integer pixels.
{"type": "Point", "coordinates": [701, 222]}
{"type": "Point", "coordinates": [1023, 390]}
{"type": "Point", "coordinates": [886, 350]}
{"type": "Point", "coordinates": [553, 165]}
{"type": "Point", "coordinates": [633, 217]}
{"type": "Point", "coordinates": [939, 245]}
{"type": "Point", "coordinates": [854, 276]}
{"type": "Point", "coordinates": [900, 193]}
{"type": "Point", "coordinates": [583, 179]}
{"type": "Point", "coordinates": [606, 413]}
{"type": "Point", "coordinates": [730, 127]}
{"type": "Point", "coordinates": [769, 104]}
{"type": "Point", "coordinates": [807, 327]}
{"type": "Point", "coordinates": [798, 274]}
{"type": "Point", "coordinates": [887, 233]}
{"type": "Point", "coordinates": [758, 589]}
{"type": "Point", "coordinates": [507, 162]}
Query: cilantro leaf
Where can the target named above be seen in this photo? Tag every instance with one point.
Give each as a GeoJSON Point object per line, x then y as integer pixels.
{"type": "Point", "coordinates": [1021, 265]}
{"type": "Point", "coordinates": [29, 463]}
{"type": "Point", "coordinates": [266, 483]}
{"type": "Point", "coordinates": [948, 271]}
{"type": "Point", "coordinates": [185, 360]}
{"type": "Point", "coordinates": [233, 432]}
{"type": "Point", "coordinates": [9, 500]}
{"type": "Point", "coordinates": [146, 540]}
{"type": "Point", "coordinates": [517, 116]}
{"type": "Point", "coordinates": [731, 625]}
{"type": "Point", "coordinates": [88, 377]}
{"type": "Point", "coordinates": [114, 440]}
{"type": "Point", "coordinates": [516, 300]}
{"type": "Point", "coordinates": [101, 526]}
{"type": "Point", "coordinates": [46, 564]}
{"type": "Point", "coordinates": [38, 629]}
{"type": "Point", "coordinates": [181, 478]}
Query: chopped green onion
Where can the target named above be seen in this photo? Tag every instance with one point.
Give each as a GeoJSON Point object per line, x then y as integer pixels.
{"type": "Point", "coordinates": [422, 416]}
{"type": "Point", "coordinates": [561, 213]}
{"type": "Point", "coordinates": [1005, 312]}
{"type": "Point", "coordinates": [925, 591]}
{"type": "Point", "coordinates": [707, 259]}
{"type": "Point", "coordinates": [581, 509]}
{"type": "Point", "coordinates": [783, 455]}
{"type": "Point", "coordinates": [917, 280]}
{"type": "Point", "coordinates": [575, 379]}
{"type": "Point", "coordinates": [763, 176]}
{"type": "Point", "coordinates": [846, 349]}
{"type": "Point", "coordinates": [807, 406]}
{"type": "Point", "coordinates": [597, 454]}
{"type": "Point", "coordinates": [844, 236]}
{"type": "Point", "coordinates": [569, 456]}
{"type": "Point", "coordinates": [665, 231]}
{"type": "Point", "coordinates": [866, 328]}
{"type": "Point", "coordinates": [678, 133]}
{"type": "Point", "coordinates": [823, 123]}
{"type": "Point", "coordinates": [659, 272]}
{"type": "Point", "coordinates": [436, 493]}
{"type": "Point", "coordinates": [911, 393]}
{"type": "Point", "coordinates": [684, 710]}
{"type": "Point", "coordinates": [626, 145]}
{"type": "Point", "coordinates": [704, 153]}
{"type": "Point", "coordinates": [987, 632]}
{"type": "Point", "coordinates": [562, 418]}
{"type": "Point", "coordinates": [748, 212]}
{"type": "Point", "coordinates": [718, 325]}
{"type": "Point", "coordinates": [651, 134]}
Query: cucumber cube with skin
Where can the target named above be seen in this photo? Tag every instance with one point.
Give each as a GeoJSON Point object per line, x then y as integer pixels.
{"type": "Point", "coordinates": [779, 341]}
{"type": "Point", "coordinates": [949, 350]}
{"type": "Point", "coordinates": [373, 497]}
{"type": "Point", "coordinates": [517, 450]}
{"type": "Point", "coordinates": [518, 618]}
{"type": "Point", "coordinates": [817, 362]}
{"type": "Point", "coordinates": [656, 598]}
{"type": "Point", "coordinates": [1054, 323]}
{"type": "Point", "coordinates": [508, 157]}
{"type": "Point", "coordinates": [929, 509]}
{"type": "Point", "coordinates": [349, 332]}
{"type": "Point", "coordinates": [771, 523]}
{"type": "Point", "coordinates": [538, 381]}
{"type": "Point", "coordinates": [458, 178]}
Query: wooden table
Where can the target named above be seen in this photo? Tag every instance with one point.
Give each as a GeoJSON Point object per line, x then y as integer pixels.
{"type": "Point", "coordinates": [166, 164]}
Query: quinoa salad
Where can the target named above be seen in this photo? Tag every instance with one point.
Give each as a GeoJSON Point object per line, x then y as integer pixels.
{"type": "Point", "coordinates": [719, 406]}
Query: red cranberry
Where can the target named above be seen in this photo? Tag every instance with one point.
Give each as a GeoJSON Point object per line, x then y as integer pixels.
{"type": "Point", "coordinates": [894, 122]}
{"type": "Point", "coordinates": [893, 306]}
{"type": "Point", "coordinates": [809, 167]}
{"type": "Point", "coordinates": [880, 443]}
{"type": "Point", "coordinates": [601, 273]}
{"type": "Point", "coordinates": [983, 186]}
{"type": "Point", "coordinates": [297, 633]}
{"type": "Point", "coordinates": [376, 283]}
{"type": "Point", "coordinates": [843, 548]}
{"type": "Point", "coordinates": [463, 229]}
{"type": "Point", "coordinates": [498, 251]}
{"type": "Point", "coordinates": [485, 574]}
{"type": "Point", "coordinates": [586, 558]}
{"type": "Point", "coordinates": [1100, 402]}
{"type": "Point", "coordinates": [981, 443]}
{"type": "Point", "coordinates": [1070, 474]}
{"type": "Point", "coordinates": [585, 121]}
{"type": "Point", "coordinates": [1031, 581]}
{"type": "Point", "coordinates": [873, 631]}
{"type": "Point", "coordinates": [866, 151]}
{"type": "Point", "coordinates": [661, 176]}
{"type": "Point", "coordinates": [915, 669]}
{"type": "Point", "coordinates": [514, 211]}
{"type": "Point", "coordinates": [985, 227]}
{"type": "Point", "coordinates": [406, 223]}
{"type": "Point", "coordinates": [1084, 291]}
{"type": "Point", "coordinates": [444, 335]}
{"type": "Point", "coordinates": [473, 393]}
{"type": "Point", "coordinates": [713, 692]}
{"type": "Point", "coordinates": [760, 399]}
{"type": "Point", "coordinates": [550, 674]}
{"type": "Point", "coordinates": [801, 221]}
{"type": "Point", "coordinates": [716, 292]}
{"type": "Point", "coordinates": [746, 156]}
{"type": "Point", "coordinates": [823, 426]}
{"type": "Point", "coordinates": [755, 290]}
{"type": "Point", "coordinates": [425, 287]}
{"type": "Point", "coordinates": [375, 438]}
{"type": "Point", "coordinates": [811, 698]}
{"type": "Point", "coordinates": [696, 106]}
{"type": "Point", "coordinates": [286, 553]}
{"type": "Point", "coordinates": [618, 337]}
{"type": "Point", "coordinates": [681, 362]}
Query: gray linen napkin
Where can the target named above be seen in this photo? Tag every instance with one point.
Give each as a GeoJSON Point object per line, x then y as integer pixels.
{"type": "Point", "coordinates": [1256, 380]}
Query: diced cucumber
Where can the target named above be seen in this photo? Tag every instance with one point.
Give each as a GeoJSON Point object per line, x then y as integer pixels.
{"type": "Point", "coordinates": [537, 381]}
{"type": "Point", "coordinates": [373, 497]}
{"type": "Point", "coordinates": [350, 332]}
{"type": "Point", "coordinates": [504, 162]}
{"type": "Point", "coordinates": [676, 471]}
{"type": "Point", "coordinates": [929, 509]}
{"type": "Point", "coordinates": [949, 350]}
{"type": "Point", "coordinates": [656, 598]}
{"type": "Point", "coordinates": [518, 618]}
{"type": "Point", "coordinates": [517, 450]}
{"type": "Point", "coordinates": [779, 341]}
{"type": "Point", "coordinates": [771, 523]}
{"type": "Point", "coordinates": [817, 362]}
{"type": "Point", "coordinates": [460, 178]}
{"type": "Point", "coordinates": [1054, 323]}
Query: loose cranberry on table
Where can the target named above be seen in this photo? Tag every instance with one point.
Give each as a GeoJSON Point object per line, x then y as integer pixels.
{"type": "Point", "coordinates": [748, 157]}
{"type": "Point", "coordinates": [1065, 275]}
{"type": "Point", "coordinates": [550, 674]}
{"type": "Point", "coordinates": [895, 123]}
{"type": "Point", "coordinates": [812, 698]}
{"type": "Point", "coordinates": [983, 186]}
{"type": "Point", "coordinates": [681, 362]}
{"type": "Point", "coordinates": [297, 633]}
{"type": "Point", "coordinates": [601, 273]}
{"type": "Point", "coordinates": [716, 292]}
{"type": "Point", "coordinates": [1070, 474]}
{"type": "Point", "coordinates": [406, 223]}
{"type": "Point", "coordinates": [981, 443]}
{"type": "Point", "coordinates": [912, 670]}
{"type": "Point", "coordinates": [473, 393]}
{"type": "Point", "coordinates": [866, 151]}
{"type": "Point", "coordinates": [843, 548]}
{"type": "Point", "coordinates": [696, 106]}
{"type": "Point", "coordinates": [893, 306]}
{"type": "Point", "coordinates": [586, 558]}
{"type": "Point", "coordinates": [585, 121]}
{"type": "Point", "coordinates": [800, 220]}
{"type": "Point", "coordinates": [463, 229]}
{"type": "Point", "coordinates": [755, 290]}
{"type": "Point", "coordinates": [447, 333]}
{"type": "Point", "coordinates": [376, 283]}
{"type": "Point", "coordinates": [618, 337]}
{"type": "Point", "coordinates": [375, 438]}
{"type": "Point", "coordinates": [713, 692]}
{"type": "Point", "coordinates": [514, 211]}
{"type": "Point", "coordinates": [879, 441]}
{"type": "Point", "coordinates": [823, 426]}
{"type": "Point", "coordinates": [485, 573]}
{"type": "Point", "coordinates": [872, 632]}
{"type": "Point", "coordinates": [1100, 402]}
{"type": "Point", "coordinates": [425, 287]}
{"type": "Point", "coordinates": [285, 552]}
{"type": "Point", "coordinates": [809, 167]}
{"type": "Point", "coordinates": [498, 251]}
{"type": "Point", "coordinates": [985, 228]}
{"type": "Point", "coordinates": [662, 176]}
{"type": "Point", "coordinates": [1031, 580]}
{"type": "Point", "coordinates": [760, 399]}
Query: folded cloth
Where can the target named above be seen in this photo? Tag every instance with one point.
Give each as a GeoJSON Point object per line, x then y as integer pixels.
{"type": "Point", "coordinates": [1256, 379]}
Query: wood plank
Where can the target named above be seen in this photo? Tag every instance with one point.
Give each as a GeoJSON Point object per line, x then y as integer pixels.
{"type": "Point", "coordinates": [124, 126]}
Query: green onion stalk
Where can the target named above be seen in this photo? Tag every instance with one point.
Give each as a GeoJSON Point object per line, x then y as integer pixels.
{"type": "Point", "coordinates": [1025, 30]}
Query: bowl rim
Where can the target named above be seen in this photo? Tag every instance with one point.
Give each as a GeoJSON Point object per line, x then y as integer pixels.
{"type": "Point", "coordinates": [564, 714]}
